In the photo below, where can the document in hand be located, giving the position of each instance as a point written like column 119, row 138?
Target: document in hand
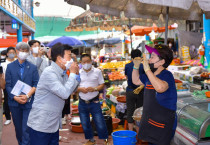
column 20, row 87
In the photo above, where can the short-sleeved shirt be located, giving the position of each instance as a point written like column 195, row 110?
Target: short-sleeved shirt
column 128, row 73
column 93, row 78
column 167, row 99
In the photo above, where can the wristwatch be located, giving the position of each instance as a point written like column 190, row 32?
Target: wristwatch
column 27, row 96
column 95, row 89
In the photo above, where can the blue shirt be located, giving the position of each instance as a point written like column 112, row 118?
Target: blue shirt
column 167, row 99
column 22, row 66
column 53, row 88
column 128, row 73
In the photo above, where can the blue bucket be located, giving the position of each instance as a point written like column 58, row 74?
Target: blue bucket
column 124, row 137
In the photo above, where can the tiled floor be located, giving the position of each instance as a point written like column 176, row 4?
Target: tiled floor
column 68, row 137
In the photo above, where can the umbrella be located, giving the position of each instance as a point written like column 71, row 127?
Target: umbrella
column 90, row 21
column 89, row 43
column 66, row 40
column 179, row 9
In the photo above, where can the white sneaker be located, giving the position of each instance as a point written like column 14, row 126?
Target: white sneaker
column 7, row 122
column 63, row 121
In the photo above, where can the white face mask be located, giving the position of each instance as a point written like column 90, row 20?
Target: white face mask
column 170, row 45
column 68, row 63
column 36, row 50
column 23, row 55
column 11, row 55
column 86, row 66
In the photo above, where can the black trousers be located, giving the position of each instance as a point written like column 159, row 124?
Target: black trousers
column 6, row 106
column 66, row 108
column 133, row 101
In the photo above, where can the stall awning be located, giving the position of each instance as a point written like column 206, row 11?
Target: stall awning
column 12, row 41
column 143, row 30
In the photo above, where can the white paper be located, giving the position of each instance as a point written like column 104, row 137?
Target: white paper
column 21, row 87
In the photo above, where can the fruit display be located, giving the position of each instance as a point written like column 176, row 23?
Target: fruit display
column 207, row 81
column 205, row 75
column 117, row 75
column 113, row 65
column 110, row 90
column 121, row 99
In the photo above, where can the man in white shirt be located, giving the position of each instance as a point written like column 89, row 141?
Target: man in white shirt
column 11, row 54
column 92, row 82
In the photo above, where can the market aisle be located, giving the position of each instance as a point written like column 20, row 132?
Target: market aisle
column 68, row 137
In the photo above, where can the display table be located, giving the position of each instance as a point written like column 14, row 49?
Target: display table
column 177, row 68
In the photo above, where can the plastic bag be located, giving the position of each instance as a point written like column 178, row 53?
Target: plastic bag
column 137, row 114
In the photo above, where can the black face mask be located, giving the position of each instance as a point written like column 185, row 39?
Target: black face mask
column 152, row 66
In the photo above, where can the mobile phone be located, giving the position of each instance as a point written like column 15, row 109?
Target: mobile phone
column 46, row 49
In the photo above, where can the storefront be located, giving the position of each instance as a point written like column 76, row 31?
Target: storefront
column 16, row 21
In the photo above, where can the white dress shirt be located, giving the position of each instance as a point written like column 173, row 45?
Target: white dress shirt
column 93, row 78
column 53, row 88
column 4, row 65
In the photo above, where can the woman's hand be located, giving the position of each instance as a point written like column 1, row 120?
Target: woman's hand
column 145, row 63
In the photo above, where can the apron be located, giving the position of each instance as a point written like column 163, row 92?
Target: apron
column 157, row 122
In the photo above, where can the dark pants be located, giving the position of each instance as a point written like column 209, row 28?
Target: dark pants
column 41, row 138
column 133, row 102
column 6, row 106
column 95, row 110
column 66, row 108
column 20, row 118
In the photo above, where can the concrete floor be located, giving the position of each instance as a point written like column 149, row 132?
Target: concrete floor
column 68, row 137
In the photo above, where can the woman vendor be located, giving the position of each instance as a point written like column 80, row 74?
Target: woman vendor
column 158, row 122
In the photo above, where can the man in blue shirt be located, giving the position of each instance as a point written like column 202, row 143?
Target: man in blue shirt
column 20, row 106
column 53, row 89
column 158, row 122
column 133, row 100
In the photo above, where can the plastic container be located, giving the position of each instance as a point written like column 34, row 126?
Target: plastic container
column 124, row 137
column 115, row 122
column 76, row 128
column 207, row 94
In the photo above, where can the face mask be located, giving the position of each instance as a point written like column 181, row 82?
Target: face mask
column 87, row 66
column 68, row 63
column 3, row 57
column 152, row 66
column 11, row 55
column 36, row 50
column 23, row 55
column 170, row 45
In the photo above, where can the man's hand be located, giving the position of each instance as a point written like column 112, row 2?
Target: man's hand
column 74, row 57
column 22, row 99
column 83, row 90
column 137, row 61
column 145, row 63
column 90, row 89
column 74, row 68
column 40, row 52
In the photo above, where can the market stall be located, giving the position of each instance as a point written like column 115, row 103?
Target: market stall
column 193, row 105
